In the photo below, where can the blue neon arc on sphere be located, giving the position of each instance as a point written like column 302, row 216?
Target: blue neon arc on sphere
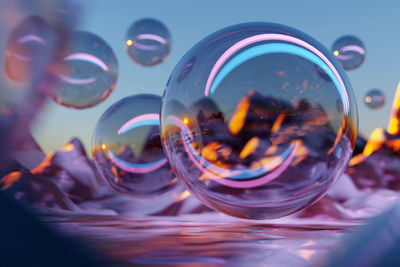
column 238, row 174
column 265, row 49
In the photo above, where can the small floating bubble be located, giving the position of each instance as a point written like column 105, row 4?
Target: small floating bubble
column 148, row 42
column 374, row 99
column 350, row 51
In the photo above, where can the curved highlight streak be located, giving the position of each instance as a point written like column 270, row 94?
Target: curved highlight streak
column 88, row 58
column 352, row 48
column 150, row 36
column 77, row 81
column 272, row 49
column 31, row 38
column 245, row 184
column 136, row 168
column 177, row 122
column 266, row 37
column 141, row 120
column 144, row 47
column 262, row 180
column 344, row 57
column 210, row 170
column 240, row 174
column 22, row 58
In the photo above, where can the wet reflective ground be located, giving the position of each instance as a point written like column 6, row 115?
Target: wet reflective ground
column 206, row 239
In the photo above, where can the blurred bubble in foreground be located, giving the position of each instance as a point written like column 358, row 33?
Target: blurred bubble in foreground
column 88, row 73
column 258, row 120
column 374, row 99
column 26, row 46
column 148, row 42
column 350, row 51
column 127, row 147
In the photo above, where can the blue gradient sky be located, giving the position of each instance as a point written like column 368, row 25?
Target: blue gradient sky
column 376, row 23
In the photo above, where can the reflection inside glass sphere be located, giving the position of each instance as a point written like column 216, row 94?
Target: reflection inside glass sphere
column 127, row 147
column 148, row 42
column 87, row 74
column 350, row 51
column 264, row 122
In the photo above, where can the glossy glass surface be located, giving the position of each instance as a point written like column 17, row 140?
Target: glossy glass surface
column 148, row 42
column 350, row 51
column 127, row 147
column 87, row 74
column 258, row 120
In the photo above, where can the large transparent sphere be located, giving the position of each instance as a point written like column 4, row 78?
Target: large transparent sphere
column 127, row 147
column 258, row 120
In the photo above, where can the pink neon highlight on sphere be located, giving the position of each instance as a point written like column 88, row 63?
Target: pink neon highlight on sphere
column 144, row 47
column 150, row 36
column 266, row 37
column 144, row 117
column 243, row 184
column 76, row 81
column 344, row 57
column 226, row 173
column 356, row 48
column 222, row 180
column 30, row 38
column 88, row 57
column 22, row 58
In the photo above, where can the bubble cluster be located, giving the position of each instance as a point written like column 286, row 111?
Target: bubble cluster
column 350, row 51
column 127, row 147
column 258, row 120
column 27, row 48
column 374, row 99
column 148, row 42
column 87, row 74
